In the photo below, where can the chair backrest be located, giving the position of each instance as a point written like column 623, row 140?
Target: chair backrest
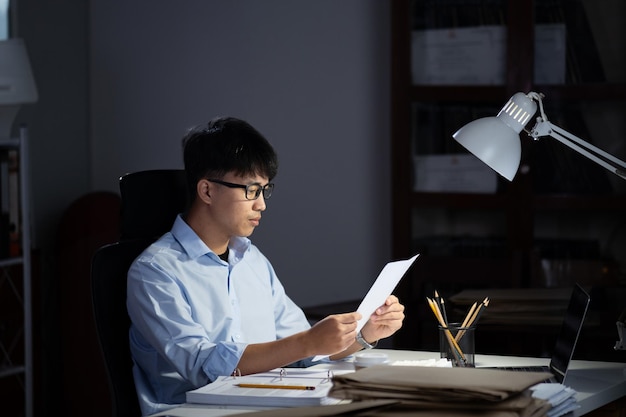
column 150, row 202
column 109, row 266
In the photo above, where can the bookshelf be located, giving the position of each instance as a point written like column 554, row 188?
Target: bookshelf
column 16, row 353
column 559, row 209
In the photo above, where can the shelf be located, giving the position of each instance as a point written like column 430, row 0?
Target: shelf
column 11, row 261
column 19, row 211
column 459, row 200
column 611, row 203
column 588, row 92
column 500, row 94
column 451, row 93
column 10, row 143
column 541, row 204
column 11, row 370
column 569, row 202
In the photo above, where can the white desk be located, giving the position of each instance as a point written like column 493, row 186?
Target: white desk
column 596, row 383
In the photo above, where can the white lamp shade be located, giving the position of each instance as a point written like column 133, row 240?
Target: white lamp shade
column 495, row 140
column 494, row 143
column 17, row 85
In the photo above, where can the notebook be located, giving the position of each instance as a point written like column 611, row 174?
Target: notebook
column 566, row 339
column 291, row 387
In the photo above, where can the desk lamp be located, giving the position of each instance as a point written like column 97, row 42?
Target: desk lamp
column 17, row 85
column 495, row 140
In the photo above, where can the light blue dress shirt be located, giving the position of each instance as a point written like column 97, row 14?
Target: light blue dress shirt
column 193, row 314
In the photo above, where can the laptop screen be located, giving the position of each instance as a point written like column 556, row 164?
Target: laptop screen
column 570, row 330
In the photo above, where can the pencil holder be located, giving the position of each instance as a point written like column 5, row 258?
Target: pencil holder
column 456, row 343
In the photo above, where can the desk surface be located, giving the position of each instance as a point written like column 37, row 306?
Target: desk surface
column 596, row 383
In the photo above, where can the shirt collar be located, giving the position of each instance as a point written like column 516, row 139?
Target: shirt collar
column 195, row 247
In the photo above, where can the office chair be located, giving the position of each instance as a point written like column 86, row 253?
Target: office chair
column 150, row 202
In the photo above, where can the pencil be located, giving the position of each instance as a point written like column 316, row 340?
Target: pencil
column 473, row 319
column 478, row 312
column 455, row 347
column 469, row 315
column 442, row 306
column 485, row 303
column 467, row 320
column 277, row 386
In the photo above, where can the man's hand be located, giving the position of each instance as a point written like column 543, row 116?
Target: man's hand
column 334, row 333
column 385, row 321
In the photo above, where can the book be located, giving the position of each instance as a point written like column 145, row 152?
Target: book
column 277, row 388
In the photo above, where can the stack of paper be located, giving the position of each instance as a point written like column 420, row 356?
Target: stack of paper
column 562, row 399
column 441, row 362
column 446, row 391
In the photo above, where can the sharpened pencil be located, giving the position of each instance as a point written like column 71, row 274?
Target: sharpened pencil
column 466, row 322
column 474, row 319
column 456, row 349
column 440, row 301
column 483, row 305
column 478, row 312
column 469, row 315
column 277, row 386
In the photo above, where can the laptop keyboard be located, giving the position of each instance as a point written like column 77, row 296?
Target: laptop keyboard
column 537, row 368
column 525, row 368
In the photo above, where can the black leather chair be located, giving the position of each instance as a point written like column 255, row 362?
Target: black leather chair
column 150, row 202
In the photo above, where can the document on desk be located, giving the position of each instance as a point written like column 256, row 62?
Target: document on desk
column 382, row 288
column 445, row 391
column 296, row 388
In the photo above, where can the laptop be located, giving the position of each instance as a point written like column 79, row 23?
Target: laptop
column 566, row 339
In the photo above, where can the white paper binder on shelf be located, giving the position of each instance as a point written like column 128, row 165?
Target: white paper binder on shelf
column 459, row 56
column 457, row 173
column 477, row 55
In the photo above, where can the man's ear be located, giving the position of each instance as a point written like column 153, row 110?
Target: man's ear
column 203, row 190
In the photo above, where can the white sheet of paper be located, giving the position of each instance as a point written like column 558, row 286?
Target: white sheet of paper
column 382, row 288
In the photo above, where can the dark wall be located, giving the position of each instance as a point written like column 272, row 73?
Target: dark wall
column 56, row 35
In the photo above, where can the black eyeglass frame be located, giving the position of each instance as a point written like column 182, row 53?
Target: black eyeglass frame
column 265, row 189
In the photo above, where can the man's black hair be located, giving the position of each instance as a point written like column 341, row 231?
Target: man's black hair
column 226, row 144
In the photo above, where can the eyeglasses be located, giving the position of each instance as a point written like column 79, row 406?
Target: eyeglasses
column 253, row 191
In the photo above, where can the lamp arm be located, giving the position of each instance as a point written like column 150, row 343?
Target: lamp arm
column 546, row 128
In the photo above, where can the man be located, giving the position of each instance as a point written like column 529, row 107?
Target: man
column 205, row 302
